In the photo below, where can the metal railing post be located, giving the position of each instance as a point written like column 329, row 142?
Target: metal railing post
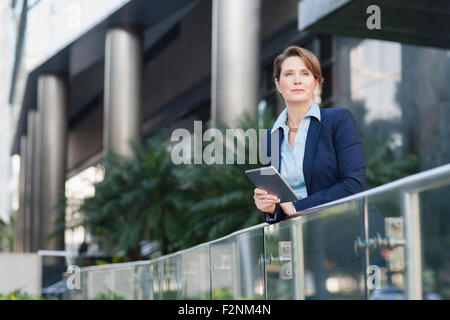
column 298, row 260
column 411, row 214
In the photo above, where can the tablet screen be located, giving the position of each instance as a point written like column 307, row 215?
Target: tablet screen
column 269, row 179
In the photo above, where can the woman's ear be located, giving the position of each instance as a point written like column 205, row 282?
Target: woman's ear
column 277, row 84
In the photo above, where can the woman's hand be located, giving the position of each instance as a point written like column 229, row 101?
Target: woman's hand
column 288, row 208
column 264, row 201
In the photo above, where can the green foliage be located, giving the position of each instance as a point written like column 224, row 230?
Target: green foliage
column 137, row 199
column 226, row 204
column 224, row 195
column 381, row 166
column 19, row 295
column 225, row 293
column 222, row 294
column 108, row 295
column 151, row 198
column 7, row 233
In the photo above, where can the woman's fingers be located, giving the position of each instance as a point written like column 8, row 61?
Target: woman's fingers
column 260, row 191
column 266, row 197
column 265, row 203
column 262, row 194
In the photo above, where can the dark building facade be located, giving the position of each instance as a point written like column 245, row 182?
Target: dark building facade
column 395, row 90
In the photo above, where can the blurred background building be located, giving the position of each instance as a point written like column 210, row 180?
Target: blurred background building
column 80, row 77
column 7, row 40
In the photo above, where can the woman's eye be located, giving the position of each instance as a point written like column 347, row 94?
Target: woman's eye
column 290, row 73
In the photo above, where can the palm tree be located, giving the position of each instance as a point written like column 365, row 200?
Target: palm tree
column 138, row 199
column 224, row 193
column 151, row 198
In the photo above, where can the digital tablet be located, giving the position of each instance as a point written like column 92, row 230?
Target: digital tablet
column 269, row 179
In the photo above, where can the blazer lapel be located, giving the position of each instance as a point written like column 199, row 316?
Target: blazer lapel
column 280, row 139
column 280, row 135
column 310, row 149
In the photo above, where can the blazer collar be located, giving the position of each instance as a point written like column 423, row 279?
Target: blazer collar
column 312, row 138
column 313, row 112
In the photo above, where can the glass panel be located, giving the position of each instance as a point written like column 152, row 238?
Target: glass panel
column 171, row 278
column 237, row 268
column 143, row 282
column 99, row 284
column 155, row 273
column 250, row 246
column 386, row 263
column 280, row 284
column 195, row 274
column 333, row 268
column 435, row 230
column 324, row 264
column 123, row 283
column 84, row 285
column 58, row 22
column 75, row 294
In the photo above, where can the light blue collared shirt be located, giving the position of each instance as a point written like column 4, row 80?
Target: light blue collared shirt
column 291, row 166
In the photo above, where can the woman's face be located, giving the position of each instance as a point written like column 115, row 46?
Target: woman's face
column 297, row 82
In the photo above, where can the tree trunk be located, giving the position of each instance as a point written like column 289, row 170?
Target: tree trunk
column 164, row 240
column 134, row 253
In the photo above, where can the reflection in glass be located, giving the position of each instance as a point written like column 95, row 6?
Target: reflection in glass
column 171, row 278
column 385, row 221
column 324, row 263
column 195, row 277
column 279, row 279
column 99, row 284
column 155, row 280
column 123, row 283
column 237, row 271
column 334, row 269
column 143, row 282
column 435, row 230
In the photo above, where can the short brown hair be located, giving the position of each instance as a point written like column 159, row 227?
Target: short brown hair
column 309, row 58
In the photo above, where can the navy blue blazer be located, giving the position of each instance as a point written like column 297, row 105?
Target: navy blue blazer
column 334, row 162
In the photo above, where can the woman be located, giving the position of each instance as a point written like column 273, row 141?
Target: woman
column 321, row 155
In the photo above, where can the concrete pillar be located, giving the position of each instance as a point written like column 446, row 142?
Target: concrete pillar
column 29, row 170
column 36, row 186
column 52, row 105
column 20, row 223
column 122, row 93
column 235, row 60
column 33, row 188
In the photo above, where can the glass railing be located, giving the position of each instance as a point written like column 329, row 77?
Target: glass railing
column 390, row 242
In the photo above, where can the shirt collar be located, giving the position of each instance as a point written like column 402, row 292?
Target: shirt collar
column 313, row 111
